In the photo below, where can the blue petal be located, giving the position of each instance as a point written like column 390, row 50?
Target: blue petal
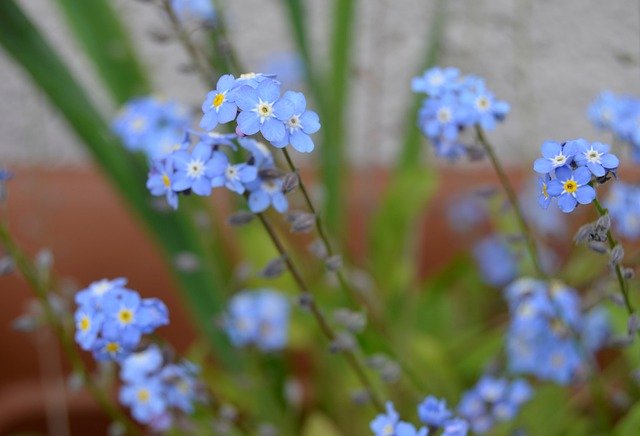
column 301, row 142
column 248, row 173
column 310, row 122
column 246, row 98
column 582, row 175
column 563, row 173
column 571, row 148
column 298, row 100
column 283, row 109
column 596, row 169
column 268, row 90
column 601, row 147
column 554, row 188
column 585, row 194
column 258, row 201
column 280, row 202
column 227, row 112
column 542, row 166
column 610, row 161
column 181, row 182
column 248, row 123
column 209, row 120
column 201, row 151
column 272, row 129
column 217, row 165
column 208, row 100
column 201, row 186
column 225, row 82
column 551, row 149
column 567, row 203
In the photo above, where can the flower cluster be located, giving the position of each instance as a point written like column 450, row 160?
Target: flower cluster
column 152, row 125
column 432, row 412
column 111, row 319
column 259, row 318
column 619, row 115
column 493, row 400
column 155, row 390
column 453, row 103
column 281, row 119
column 549, row 336
column 569, row 170
column 623, row 204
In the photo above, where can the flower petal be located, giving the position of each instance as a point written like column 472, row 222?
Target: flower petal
column 585, row 194
column 272, row 130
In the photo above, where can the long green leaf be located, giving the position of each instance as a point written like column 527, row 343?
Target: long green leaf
column 98, row 29
column 174, row 231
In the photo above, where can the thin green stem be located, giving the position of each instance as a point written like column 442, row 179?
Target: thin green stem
column 513, row 199
column 322, row 322
column 41, row 289
column 622, row 283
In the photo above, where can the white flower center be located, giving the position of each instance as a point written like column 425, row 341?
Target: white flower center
column 294, row 123
column 483, row 103
column 593, row 156
column 264, row 109
column 444, row 115
column 559, row 160
column 231, row 172
column 195, row 169
column 436, row 79
column 270, row 187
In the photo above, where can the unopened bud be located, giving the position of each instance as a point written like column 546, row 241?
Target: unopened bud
column 333, row 263
column 616, row 255
column 240, row 218
column 274, row 268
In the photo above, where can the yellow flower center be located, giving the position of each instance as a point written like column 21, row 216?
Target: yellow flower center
column 143, row 395
column 112, row 347
column 570, row 186
column 125, row 316
column 85, row 323
column 544, row 190
column 265, row 110
column 166, row 181
column 218, row 100
column 482, row 103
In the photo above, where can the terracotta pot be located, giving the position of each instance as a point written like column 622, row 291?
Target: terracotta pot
column 75, row 213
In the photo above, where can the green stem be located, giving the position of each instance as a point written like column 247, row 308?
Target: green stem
column 40, row 288
column 322, row 322
column 622, row 283
column 513, row 199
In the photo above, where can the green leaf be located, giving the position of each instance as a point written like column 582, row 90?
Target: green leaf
column 391, row 238
column 175, row 232
column 104, row 39
column 630, row 424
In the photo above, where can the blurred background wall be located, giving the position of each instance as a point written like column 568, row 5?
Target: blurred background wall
column 548, row 58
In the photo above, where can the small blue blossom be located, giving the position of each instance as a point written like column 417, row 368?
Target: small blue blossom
column 160, row 180
column 434, row 412
column 623, row 204
column 141, row 364
column 596, row 157
column 299, row 125
column 436, row 81
column 262, row 110
column 196, row 169
column 385, row 423
column 496, row 261
column 268, row 192
column 197, row 10
column 493, row 400
column 259, row 318
column 455, row 427
column 234, row 176
column 88, row 325
column 441, row 117
column 145, row 398
column 485, row 110
column 407, row 429
column 571, row 188
column 181, row 385
column 219, row 106
column 554, row 155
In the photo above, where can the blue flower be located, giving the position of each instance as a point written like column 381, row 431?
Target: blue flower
column 495, row 260
column 153, row 313
column 234, row 176
column 441, row 117
column 554, row 155
column 259, row 318
column 544, row 199
column 571, row 188
column 268, row 192
column 485, row 110
column 596, row 157
column 181, row 385
column 406, row 429
column 261, row 156
column 262, row 110
column 436, row 81
column 385, row 423
column 88, row 325
column 455, row 427
column 94, row 294
column 219, row 106
column 299, row 125
column 145, row 398
column 140, row 365
column 198, row 10
column 254, row 79
column 121, row 316
column 434, row 412
column 195, row 170
column 161, row 179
